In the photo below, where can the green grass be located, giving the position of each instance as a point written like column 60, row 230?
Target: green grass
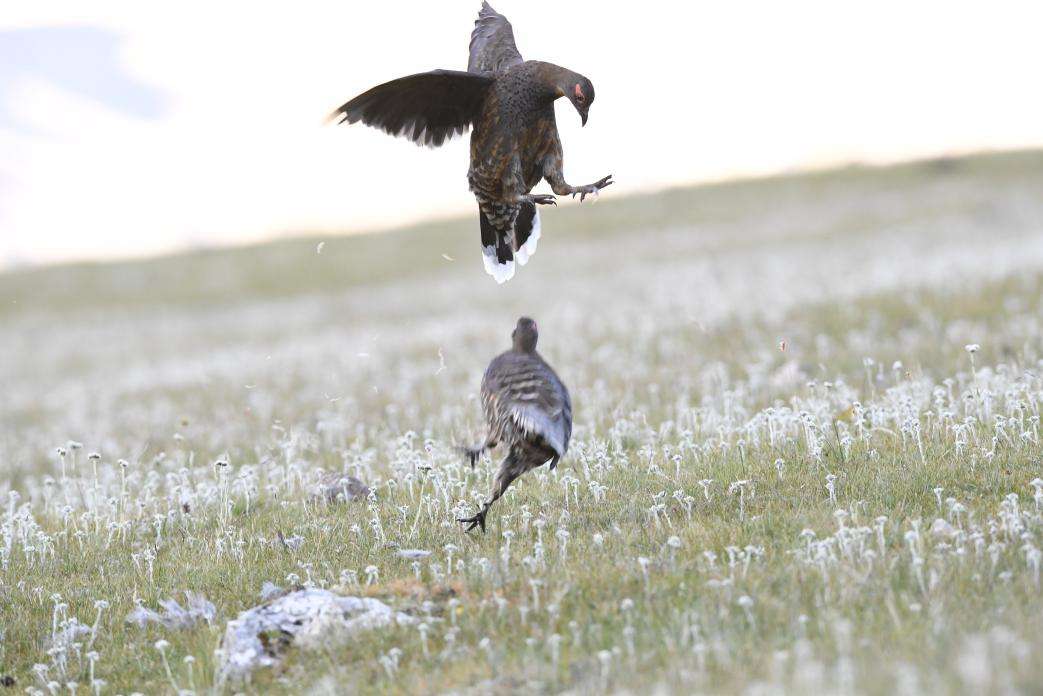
column 664, row 314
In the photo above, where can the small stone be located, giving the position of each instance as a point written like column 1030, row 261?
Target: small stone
column 172, row 615
column 337, row 487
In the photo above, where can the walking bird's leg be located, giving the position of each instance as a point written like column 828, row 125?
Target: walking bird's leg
column 472, row 453
column 552, row 172
column 511, row 469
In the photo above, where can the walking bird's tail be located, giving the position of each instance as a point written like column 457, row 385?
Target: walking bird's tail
column 509, row 234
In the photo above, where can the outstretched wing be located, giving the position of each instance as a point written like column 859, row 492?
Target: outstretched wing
column 492, row 43
column 428, row 108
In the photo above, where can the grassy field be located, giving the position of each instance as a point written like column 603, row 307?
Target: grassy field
column 806, row 457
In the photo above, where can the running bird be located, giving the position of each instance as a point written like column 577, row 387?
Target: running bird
column 527, row 409
column 509, row 102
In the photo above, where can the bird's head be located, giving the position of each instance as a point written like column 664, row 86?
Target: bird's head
column 580, row 92
column 525, row 335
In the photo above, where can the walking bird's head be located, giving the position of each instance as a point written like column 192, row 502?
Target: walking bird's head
column 525, row 335
column 580, row 92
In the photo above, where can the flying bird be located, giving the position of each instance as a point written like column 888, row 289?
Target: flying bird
column 528, row 410
column 509, row 103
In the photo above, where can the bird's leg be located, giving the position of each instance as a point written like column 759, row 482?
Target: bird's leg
column 553, row 173
column 472, row 453
column 517, row 195
column 476, row 521
column 592, row 189
column 539, row 199
column 509, row 470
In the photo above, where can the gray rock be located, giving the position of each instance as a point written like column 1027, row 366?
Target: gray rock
column 269, row 590
column 172, row 615
column 308, row 619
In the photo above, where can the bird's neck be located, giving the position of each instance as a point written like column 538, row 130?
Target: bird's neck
column 556, row 80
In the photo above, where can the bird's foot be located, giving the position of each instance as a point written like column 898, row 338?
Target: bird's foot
column 592, row 189
column 476, row 521
column 472, row 454
column 541, row 199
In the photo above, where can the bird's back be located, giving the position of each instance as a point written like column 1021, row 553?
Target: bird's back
column 514, row 133
column 519, row 96
column 524, row 399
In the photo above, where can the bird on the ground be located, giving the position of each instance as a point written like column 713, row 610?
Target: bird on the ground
column 527, row 409
column 509, row 102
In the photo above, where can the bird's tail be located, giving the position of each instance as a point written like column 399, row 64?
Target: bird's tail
column 508, row 235
column 526, row 232
column 497, row 236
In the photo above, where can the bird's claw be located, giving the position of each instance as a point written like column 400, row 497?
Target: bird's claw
column 472, row 522
column 592, row 189
column 543, row 199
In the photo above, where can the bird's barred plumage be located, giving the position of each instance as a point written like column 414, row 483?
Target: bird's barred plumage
column 509, row 234
column 508, row 103
column 527, row 409
column 524, row 401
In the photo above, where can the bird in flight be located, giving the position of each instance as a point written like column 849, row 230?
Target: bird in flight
column 509, row 103
column 527, row 409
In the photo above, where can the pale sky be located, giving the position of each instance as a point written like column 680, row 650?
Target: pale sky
column 131, row 128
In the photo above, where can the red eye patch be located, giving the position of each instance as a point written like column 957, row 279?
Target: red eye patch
column 579, row 92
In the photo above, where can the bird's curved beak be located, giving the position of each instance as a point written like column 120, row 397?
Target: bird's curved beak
column 581, row 109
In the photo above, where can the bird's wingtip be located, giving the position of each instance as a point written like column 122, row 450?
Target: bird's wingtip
column 337, row 117
column 487, row 11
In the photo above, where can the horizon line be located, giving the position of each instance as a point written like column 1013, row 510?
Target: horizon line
column 12, row 267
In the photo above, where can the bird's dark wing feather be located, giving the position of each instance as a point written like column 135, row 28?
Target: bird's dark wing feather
column 428, row 108
column 523, row 398
column 492, row 43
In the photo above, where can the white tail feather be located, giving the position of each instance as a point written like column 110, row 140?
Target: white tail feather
column 501, row 272
column 529, row 247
